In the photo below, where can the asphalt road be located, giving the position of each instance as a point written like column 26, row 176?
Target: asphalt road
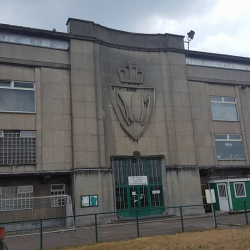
column 124, row 230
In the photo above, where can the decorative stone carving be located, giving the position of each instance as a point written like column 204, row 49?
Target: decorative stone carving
column 133, row 105
column 131, row 74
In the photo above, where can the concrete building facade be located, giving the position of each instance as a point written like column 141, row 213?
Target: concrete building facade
column 118, row 120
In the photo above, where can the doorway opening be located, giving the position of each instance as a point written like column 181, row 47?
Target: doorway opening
column 138, row 185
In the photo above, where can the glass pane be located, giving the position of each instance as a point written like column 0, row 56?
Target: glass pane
column 17, row 100
column 235, row 137
column 229, row 99
column 28, row 134
column 57, row 187
column 23, row 85
column 215, row 98
column 222, row 190
column 224, row 111
column 4, row 84
column 229, row 150
column 239, row 188
column 221, row 137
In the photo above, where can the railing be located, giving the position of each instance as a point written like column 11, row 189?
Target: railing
column 245, row 210
column 3, row 245
column 95, row 218
column 95, row 215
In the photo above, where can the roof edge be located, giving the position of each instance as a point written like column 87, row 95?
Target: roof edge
column 34, row 32
column 216, row 56
column 122, row 31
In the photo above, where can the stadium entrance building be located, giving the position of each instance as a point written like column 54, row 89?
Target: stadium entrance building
column 118, row 121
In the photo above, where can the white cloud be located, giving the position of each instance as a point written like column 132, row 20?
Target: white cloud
column 224, row 29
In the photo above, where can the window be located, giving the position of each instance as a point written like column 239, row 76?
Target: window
column 224, row 108
column 57, row 190
column 17, row 147
column 222, row 190
column 16, row 198
column 229, row 147
column 17, row 97
column 239, row 188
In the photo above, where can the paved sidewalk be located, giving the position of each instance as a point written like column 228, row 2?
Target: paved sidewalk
column 122, row 231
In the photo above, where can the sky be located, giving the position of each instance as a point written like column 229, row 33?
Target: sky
column 221, row 26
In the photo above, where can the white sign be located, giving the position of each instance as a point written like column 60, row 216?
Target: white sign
column 133, row 193
column 85, row 201
column 210, row 196
column 156, row 191
column 137, row 180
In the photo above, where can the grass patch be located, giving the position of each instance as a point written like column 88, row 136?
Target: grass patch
column 230, row 239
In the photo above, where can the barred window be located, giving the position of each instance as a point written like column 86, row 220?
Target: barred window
column 58, row 190
column 17, row 147
column 16, row 198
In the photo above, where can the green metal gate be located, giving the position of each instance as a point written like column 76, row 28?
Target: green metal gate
column 132, row 197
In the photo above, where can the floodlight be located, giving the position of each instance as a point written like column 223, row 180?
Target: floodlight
column 191, row 34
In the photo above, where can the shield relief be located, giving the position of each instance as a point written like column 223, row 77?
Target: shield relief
column 133, row 105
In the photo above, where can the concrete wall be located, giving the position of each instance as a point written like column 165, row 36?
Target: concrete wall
column 93, row 182
column 183, row 189
column 117, row 141
column 81, row 28
column 41, row 185
column 52, row 120
column 88, row 132
column 203, row 83
column 170, row 132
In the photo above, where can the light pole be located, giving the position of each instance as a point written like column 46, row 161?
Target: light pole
column 189, row 37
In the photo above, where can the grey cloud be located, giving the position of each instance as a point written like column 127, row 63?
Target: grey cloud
column 124, row 15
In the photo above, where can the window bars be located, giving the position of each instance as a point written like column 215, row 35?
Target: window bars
column 16, row 198
column 17, row 147
column 57, row 191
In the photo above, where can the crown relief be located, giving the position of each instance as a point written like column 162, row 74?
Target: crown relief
column 133, row 105
column 131, row 74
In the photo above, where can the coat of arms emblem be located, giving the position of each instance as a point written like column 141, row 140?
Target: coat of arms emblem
column 132, row 103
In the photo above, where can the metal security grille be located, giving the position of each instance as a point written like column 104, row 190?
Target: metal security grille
column 121, row 198
column 57, row 191
column 155, row 171
column 156, row 196
column 17, row 147
column 145, row 196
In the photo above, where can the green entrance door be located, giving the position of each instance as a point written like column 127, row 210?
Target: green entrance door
column 133, row 195
column 139, row 199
